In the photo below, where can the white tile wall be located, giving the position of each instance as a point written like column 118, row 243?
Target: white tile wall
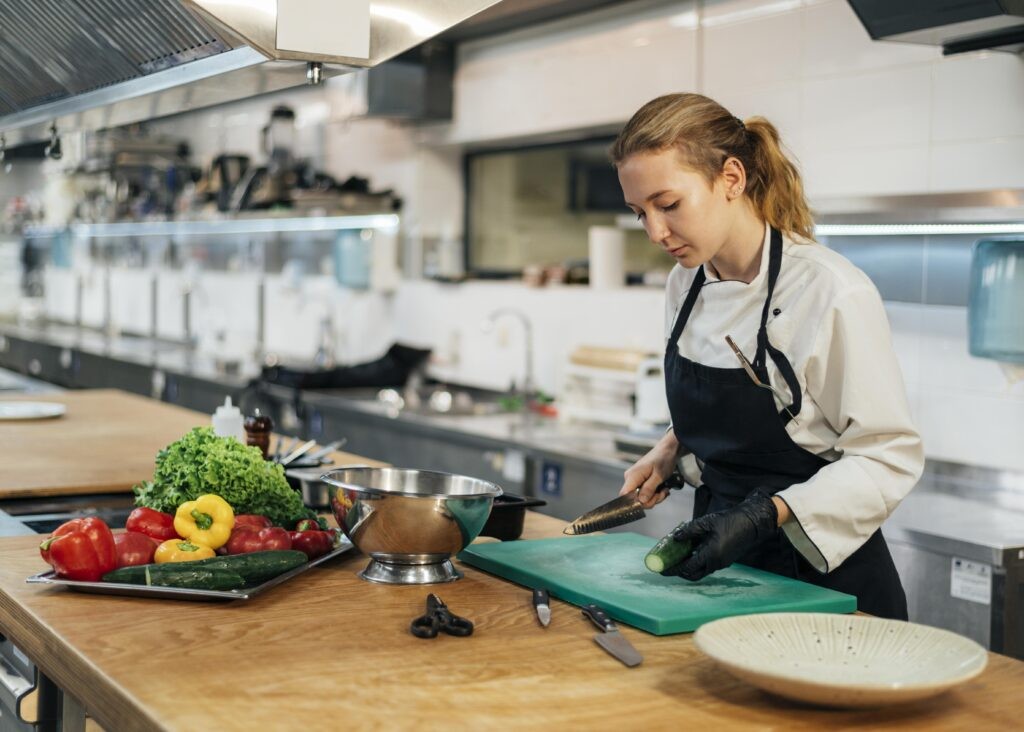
column 868, row 171
column 977, row 165
column 978, row 96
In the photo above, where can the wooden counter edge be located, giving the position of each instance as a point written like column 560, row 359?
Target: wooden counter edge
column 73, row 672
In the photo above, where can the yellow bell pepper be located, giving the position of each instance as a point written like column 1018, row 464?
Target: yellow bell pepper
column 208, row 520
column 181, row 550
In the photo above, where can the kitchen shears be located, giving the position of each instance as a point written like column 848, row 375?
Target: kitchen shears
column 438, row 619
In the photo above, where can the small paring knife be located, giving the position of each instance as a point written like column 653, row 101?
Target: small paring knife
column 610, row 638
column 542, row 604
column 618, row 511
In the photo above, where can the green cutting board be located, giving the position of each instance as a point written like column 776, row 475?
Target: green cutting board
column 608, row 570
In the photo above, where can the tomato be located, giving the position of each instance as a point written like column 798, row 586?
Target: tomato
column 154, row 524
column 245, row 539
column 252, row 519
column 134, row 548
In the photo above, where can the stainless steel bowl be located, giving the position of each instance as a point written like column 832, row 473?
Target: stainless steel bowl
column 410, row 522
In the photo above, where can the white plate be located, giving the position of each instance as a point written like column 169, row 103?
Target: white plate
column 841, row 660
column 30, row 410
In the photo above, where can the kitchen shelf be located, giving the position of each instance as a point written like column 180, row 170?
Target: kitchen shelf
column 233, row 226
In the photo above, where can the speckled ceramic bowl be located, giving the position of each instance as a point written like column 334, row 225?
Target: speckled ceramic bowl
column 841, row 660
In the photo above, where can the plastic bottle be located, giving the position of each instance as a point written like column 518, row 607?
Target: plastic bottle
column 227, row 421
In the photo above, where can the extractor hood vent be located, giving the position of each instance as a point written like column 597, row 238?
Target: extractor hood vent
column 93, row 64
column 955, row 25
column 53, row 49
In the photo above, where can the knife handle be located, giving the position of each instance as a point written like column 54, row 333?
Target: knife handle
column 540, row 597
column 599, row 618
column 675, row 480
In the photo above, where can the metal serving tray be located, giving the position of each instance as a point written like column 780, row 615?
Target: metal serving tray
column 181, row 593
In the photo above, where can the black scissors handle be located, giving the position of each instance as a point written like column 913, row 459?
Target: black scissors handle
column 438, row 618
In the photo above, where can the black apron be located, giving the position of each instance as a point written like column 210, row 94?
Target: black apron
column 739, row 435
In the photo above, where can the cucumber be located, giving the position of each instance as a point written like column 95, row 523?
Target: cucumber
column 256, row 567
column 216, row 573
column 667, row 553
column 177, row 574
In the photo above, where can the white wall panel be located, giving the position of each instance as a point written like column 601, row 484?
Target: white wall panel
column 578, row 75
column 978, row 96
column 977, row 165
column 835, row 42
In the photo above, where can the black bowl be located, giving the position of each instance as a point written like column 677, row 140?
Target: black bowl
column 507, row 515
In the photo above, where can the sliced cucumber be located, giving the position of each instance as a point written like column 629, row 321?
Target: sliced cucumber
column 667, row 553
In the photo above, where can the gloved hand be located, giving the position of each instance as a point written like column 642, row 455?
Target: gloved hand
column 722, row 537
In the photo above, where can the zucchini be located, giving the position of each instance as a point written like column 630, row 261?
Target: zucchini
column 256, row 567
column 177, row 574
column 667, row 553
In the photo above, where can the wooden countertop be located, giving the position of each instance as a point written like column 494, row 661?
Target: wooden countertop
column 330, row 651
column 105, row 443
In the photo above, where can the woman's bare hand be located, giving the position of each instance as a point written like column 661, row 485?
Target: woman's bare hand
column 651, row 470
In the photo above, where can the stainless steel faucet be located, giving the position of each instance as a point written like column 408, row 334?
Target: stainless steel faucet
column 526, row 388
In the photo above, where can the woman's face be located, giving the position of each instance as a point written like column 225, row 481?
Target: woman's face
column 681, row 213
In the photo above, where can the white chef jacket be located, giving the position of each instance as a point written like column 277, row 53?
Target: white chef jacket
column 833, row 329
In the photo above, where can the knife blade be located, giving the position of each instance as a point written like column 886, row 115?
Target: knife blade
column 610, row 639
column 618, row 511
column 541, row 604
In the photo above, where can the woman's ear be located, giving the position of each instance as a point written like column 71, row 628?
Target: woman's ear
column 733, row 178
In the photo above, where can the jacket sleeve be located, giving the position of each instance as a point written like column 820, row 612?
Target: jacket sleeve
column 855, row 380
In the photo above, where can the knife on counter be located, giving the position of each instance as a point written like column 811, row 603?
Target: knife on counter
column 618, row 511
column 542, row 604
column 610, row 638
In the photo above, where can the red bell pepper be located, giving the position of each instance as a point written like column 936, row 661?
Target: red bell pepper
column 252, row 519
column 134, row 547
column 313, row 543
column 154, row 524
column 81, row 549
column 245, row 539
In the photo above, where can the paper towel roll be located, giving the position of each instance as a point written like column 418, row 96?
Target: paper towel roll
column 607, row 257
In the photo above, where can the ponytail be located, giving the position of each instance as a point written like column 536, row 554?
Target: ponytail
column 776, row 190
column 707, row 135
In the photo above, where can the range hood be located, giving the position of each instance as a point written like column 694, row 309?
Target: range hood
column 70, row 65
column 955, row 25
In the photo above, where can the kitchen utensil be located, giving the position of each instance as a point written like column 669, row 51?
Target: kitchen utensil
column 618, row 511
column 30, row 410
column 297, row 452
column 542, row 604
column 610, row 638
column 439, row 618
column 181, row 593
column 281, row 449
column 842, row 661
column 410, row 522
column 754, row 377
column 327, row 449
column 608, row 570
column 508, row 512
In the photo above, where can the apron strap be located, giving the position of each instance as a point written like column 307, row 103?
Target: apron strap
column 687, row 308
column 764, row 346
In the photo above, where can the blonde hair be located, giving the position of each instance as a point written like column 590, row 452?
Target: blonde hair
column 707, row 134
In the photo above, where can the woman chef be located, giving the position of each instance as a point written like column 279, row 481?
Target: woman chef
column 798, row 478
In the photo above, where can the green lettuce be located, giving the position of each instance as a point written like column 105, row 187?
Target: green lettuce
column 201, row 462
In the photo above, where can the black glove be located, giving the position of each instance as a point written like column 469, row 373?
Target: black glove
column 720, row 538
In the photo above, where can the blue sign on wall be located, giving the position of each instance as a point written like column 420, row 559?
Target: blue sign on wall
column 551, row 479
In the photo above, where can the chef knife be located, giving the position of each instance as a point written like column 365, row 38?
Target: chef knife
column 610, row 638
column 541, row 604
column 618, row 511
